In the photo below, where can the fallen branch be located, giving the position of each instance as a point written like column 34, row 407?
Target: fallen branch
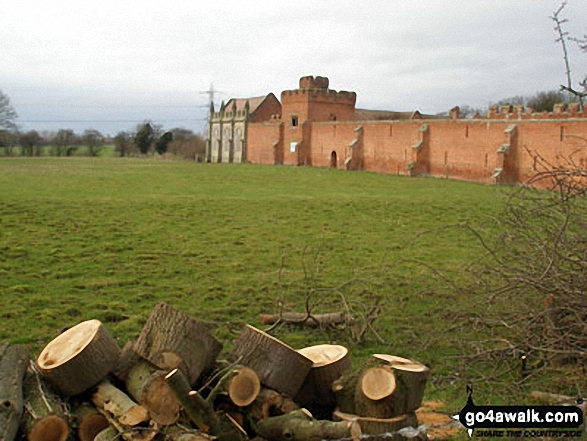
column 330, row 319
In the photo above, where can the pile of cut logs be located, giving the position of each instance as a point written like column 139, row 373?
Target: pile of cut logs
column 170, row 385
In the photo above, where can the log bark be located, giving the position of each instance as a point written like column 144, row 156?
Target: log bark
column 241, row 384
column 128, row 358
column 147, row 385
column 45, row 416
column 119, row 405
column 384, row 428
column 107, row 434
column 182, row 434
column 303, row 319
column 79, row 358
column 90, row 422
column 330, row 362
column 171, row 339
column 200, row 411
column 270, row 403
column 14, row 360
column 386, row 387
column 301, row 426
column 278, row 366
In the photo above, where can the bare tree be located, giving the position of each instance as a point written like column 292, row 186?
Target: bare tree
column 8, row 127
column 29, row 143
column 64, row 143
column 94, row 141
column 562, row 38
column 123, row 144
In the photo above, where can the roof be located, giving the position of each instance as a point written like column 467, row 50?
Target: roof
column 254, row 102
column 386, row 115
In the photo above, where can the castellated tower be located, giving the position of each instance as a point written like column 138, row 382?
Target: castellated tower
column 312, row 102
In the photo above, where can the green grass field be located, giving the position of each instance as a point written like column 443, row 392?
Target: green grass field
column 107, row 238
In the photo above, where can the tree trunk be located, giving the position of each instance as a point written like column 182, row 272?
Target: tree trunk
column 386, row 428
column 303, row 319
column 90, row 422
column 148, row 387
column 79, row 358
column 241, row 384
column 119, row 405
column 330, row 363
column 45, row 412
column 14, row 360
column 301, row 426
column 171, row 339
column 279, row 366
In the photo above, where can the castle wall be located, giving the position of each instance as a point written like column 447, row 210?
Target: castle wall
column 265, row 143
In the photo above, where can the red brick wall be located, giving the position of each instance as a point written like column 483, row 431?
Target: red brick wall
column 261, row 138
column 270, row 106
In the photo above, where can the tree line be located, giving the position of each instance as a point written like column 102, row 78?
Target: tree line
column 147, row 138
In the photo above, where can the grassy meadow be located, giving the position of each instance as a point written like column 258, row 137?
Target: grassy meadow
column 107, row 238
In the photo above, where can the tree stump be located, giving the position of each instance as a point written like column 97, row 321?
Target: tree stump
column 79, row 358
column 330, row 362
column 90, row 422
column 116, row 403
column 386, row 387
column 301, row 426
column 14, row 360
column 171, row 339
column 45, row 413
column 386, row 428
column 278, row 366
column 147, row 385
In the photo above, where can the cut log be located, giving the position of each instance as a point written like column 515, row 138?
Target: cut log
column 200, row 411
column 330, row 362
column 128, row 358
column 278, row 366
column 270, row 403
column 386, row 387
column 14, row 360
column 108, row 434
column 79, row 358
column 45, row 417
column 303, row 319
column 241, row 384
column 171, row 339
column 90, row 422
column 301, row 426
column 176, row 433
column 119, row 405
column 146, row 384
column 384, row 428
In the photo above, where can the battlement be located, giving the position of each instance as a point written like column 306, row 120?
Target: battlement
column 320, row 95
column 310, row 82
column 520, row 112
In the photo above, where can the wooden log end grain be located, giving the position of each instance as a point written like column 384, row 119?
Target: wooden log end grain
column 79, row 358
column 49, row 428
column 244, row 387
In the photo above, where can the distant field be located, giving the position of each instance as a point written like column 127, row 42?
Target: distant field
column 107, row 238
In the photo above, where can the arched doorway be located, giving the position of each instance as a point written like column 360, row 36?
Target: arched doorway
column 333, row 160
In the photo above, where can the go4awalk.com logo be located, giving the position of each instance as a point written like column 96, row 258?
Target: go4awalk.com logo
column 521, row 421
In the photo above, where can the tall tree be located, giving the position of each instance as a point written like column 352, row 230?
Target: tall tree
column 144, row 138
column 122, row 144
column 29, row 142
column 94, row 141
column 163, row 142
column 8, row 127
column 64, row 142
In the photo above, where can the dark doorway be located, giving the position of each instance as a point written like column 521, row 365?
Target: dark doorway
column 333, row 161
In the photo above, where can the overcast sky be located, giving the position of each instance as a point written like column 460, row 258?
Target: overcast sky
column 110, row 64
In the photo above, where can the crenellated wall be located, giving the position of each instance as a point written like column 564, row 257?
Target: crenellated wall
column 320, row 127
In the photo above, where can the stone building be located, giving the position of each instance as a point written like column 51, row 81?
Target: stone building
column 228, row 127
